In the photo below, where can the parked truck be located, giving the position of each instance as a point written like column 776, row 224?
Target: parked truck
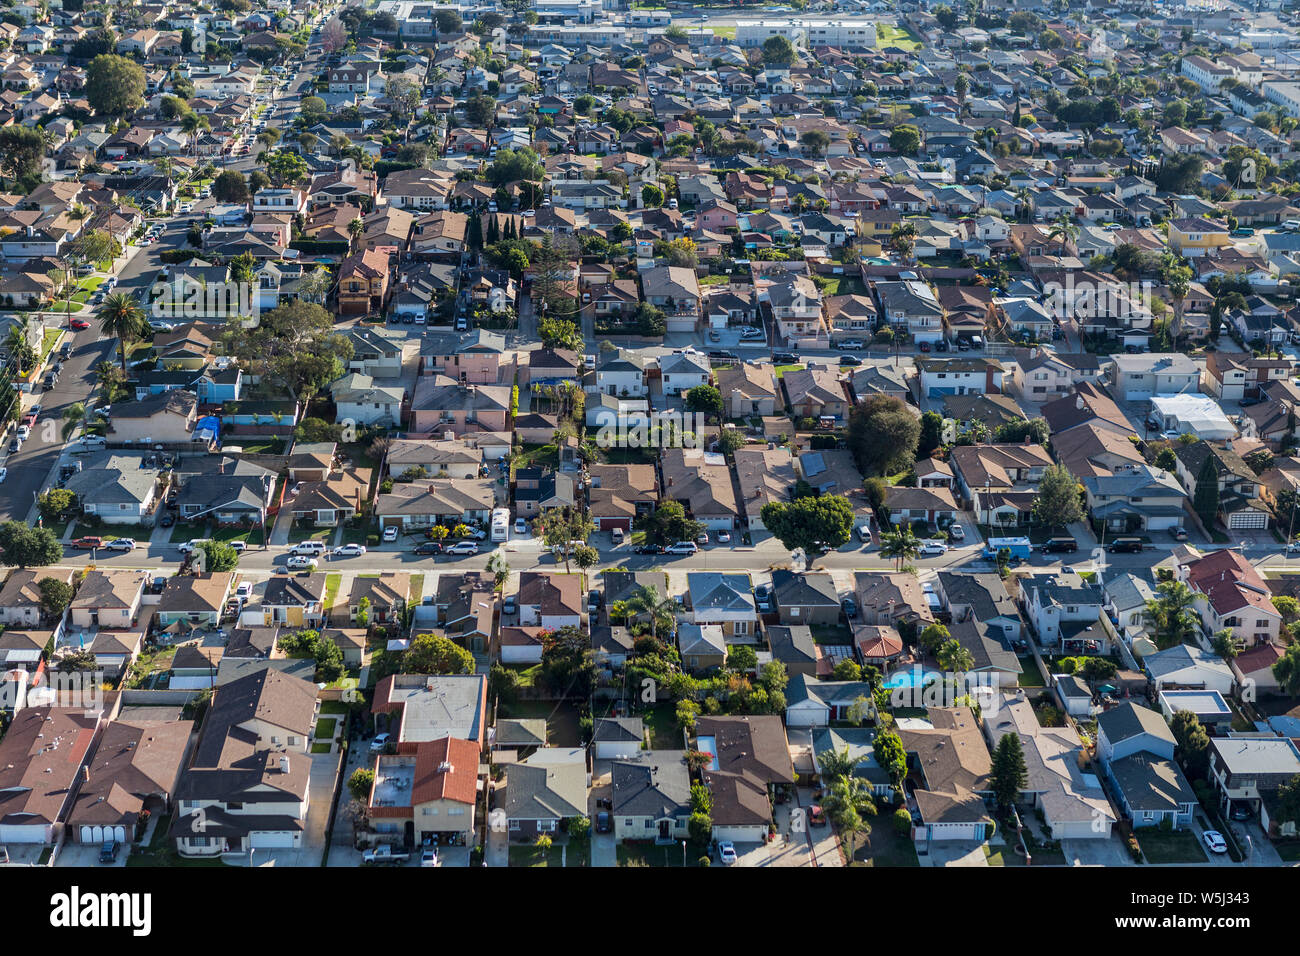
column 1017, row 547
column 385, row 854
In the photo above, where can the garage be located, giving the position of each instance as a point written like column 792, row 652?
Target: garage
column 1248, row 518
column 274, row 839
column 940, row 832
column 26, row 834
column 740, row 834
column 95, row 835
column 609, row 524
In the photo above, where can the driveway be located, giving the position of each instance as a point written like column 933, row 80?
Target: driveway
column 312, row 851
column 1108, row 852
column 86, row 855
column 955, row 853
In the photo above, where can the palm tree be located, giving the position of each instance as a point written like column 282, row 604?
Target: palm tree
column 954, row 658
column 123, row 319
column 192, row 125
column 1180, row 283
column 499, row 567
column 901, row 545
column 646, row 601
column 848, row 803
column 836, row 764
column 357, row 230
column 1173, row 613
column 1063, row 231
column 16, row 344
column 74, row 416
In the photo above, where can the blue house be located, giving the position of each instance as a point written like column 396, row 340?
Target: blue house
column 1136, row 749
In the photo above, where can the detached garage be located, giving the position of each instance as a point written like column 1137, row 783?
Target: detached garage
column 95, row 835
column 618, row 738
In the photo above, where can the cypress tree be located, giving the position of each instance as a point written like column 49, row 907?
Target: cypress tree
column 1008, row 775
column 1206, row 499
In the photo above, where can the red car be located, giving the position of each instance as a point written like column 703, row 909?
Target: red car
column 925, row 346
column 87, row 543
column 79, row 324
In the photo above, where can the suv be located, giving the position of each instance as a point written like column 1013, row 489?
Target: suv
column 1061, row 545
column 1125, row 546
column 850, row 344
column 683, row 547
column 311, row 549
column 108, row 852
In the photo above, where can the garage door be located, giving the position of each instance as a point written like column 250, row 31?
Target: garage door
column 87, row 835
column 739, row 834
column 1248, row 519
column 118, row 834
column 956, row 831
column 270, row 840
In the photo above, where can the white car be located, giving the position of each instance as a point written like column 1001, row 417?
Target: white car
column 727, row 853
column 390, row 533
column 185, row 547
column 521, row 525
column 121, row 544
column 4, row 473
column 724, row 537
column 956, row 533
column 309, row 548
column 932, row 549
column 244, row 590
column 239, row 546
column 682, row 547
column 300, row 562
column 464, row 547
column 349, row 550
column 749, row 332
column 429, row 856
column 379, row 743
column 1214, row 840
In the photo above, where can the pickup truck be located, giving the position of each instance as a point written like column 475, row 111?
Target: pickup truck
column 385, row 854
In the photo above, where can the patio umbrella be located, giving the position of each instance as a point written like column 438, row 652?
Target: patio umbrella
column 1108, row 688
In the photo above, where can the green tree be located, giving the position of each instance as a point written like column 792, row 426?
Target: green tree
column 891, row 755
column 651, row 196
column 905, row 139
column 231, row 187
column 1058, row 503
column 114, row 85
column 1008, row 775
column 1288, row 802
column 284, row 168
column 434, row 654
column 1205, row 500
column 122, row 318
column 294, row 346
column 1172, row 611
column 55, row 503
column 806, row 523
column 847, row 804
column 21, row 151
column 705, row 399
column 361, row 783
column 954, row 658
column 900, row 545
column 1191, row 743
column 218, row 556
column 56, row 595
column 668, row 524
column 742, row 658
column 778, row 52
column 26, row 547
column 1286, row 669
column 931, row 434
column 934, row 637
column 559, row 333
column 512, row 165
column 883, row 435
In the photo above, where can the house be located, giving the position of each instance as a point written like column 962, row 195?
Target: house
column 1062, row 609
column 293, row 600
column 795, row 648
column 363, row 283
column 703, row 647
column 815, row 703
column 859, row 741
column 617, row 738
column 920, row 506
column 426, row 503
column 386, row 595
column 1208, row 706
column 949, row 765
column 1247, row 771
column 1072, row 802
column 229, row 491
column 198, row 599
column 750, row 390
column 701, row 482
column 20, row 598
column 465, row 605
column 1136, row 378
column 1239, row 501
column 1187, row 666
column 248, row 784
column 619, row 494
column 442, row 404
column 42, row 756
column 544, row 791
column 426, row 791
column 1141, row 499
column 621, row 373
column 894, row 600
column 415, row 708
column 676, row 292
column 751, row 756
column 1136, row 750
column 999, row 480
column 116, row 488
column 763, row 475
column 108, row 599
column 816, row 393
column 682, row 371
column 959, row 376
column 133, row 775
column 651, row 796
column 810, row 598
column 550, row 600
column 723, row 599
column 167, row 419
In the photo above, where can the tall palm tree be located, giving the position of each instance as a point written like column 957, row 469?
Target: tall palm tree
column 901, row 545
column 646, row 601
column 17, row 346
column 1173, row 613
column 357, row 230
column 499, row 567
column 123, row 319
column 193, row 125
column 74, row 416
column 848, row 803
column 954, row 658
column 1064, row 230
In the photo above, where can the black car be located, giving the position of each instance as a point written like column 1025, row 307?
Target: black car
column 429, row 547
column 15, row 445
column 850, row 608
column 167, row 520
column 66, row 350
column 721, row 354
column 850, row 360
column 108, row 852
column 784, row 358
column 603, row 823
column 648, row 549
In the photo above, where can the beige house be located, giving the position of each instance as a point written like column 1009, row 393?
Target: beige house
column 748, row 390
column 108, row 599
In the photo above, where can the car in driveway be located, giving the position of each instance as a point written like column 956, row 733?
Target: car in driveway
column 956, row 533
column 390, row 533
column 108, row 852
column 603, row 822
column 521, row 526
column 1214, row 841
column 429, row 856
column 352, row 550
column 380, row 742
column 727, row 853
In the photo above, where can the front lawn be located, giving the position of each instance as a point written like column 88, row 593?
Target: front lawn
column 332, row 583
column 1173, row 846
column 417, row 589
column 325, row 728
column 884, row 846
column 535, row 856
column 647, row 854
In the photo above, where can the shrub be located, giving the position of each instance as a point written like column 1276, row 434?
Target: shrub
column 902, row 821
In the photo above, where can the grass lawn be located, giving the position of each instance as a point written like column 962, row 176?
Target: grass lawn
column 50, row 340
column 1288, row 850
column 782, row 369
column 843, row 285
column 336, row 707
column 1029, row 674
column 831, row 634
column 661, row 721
column 561, row 719
column 647, row 854
column 332, row 582
column 578, row 852
column 715, row 280
column 321, row 748
column 300, row 533
column 1176, row 846
column 884, row 846
column 724, row 32
column 889, row 35
column 325, row 728
column 183, row 531
column 629, row 456
column 417, row 589
column 534, row 455
column 535, row 856
column 272, row 446
column 360, row 534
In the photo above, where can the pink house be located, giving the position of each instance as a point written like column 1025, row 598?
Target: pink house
column 716, row 216
column 476, row 359
column 443, row 404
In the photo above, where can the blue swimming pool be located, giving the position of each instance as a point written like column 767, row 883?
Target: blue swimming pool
column 911, row 677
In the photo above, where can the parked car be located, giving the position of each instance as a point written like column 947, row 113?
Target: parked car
column 521, row 526
column 702, row 538
column 850, row 608
column 352, row 550
column 79, row 324
column 785, row 358
column 88, row 543
column 167, row 520
column 379, row 743
column 509, row 606
column 603, row 822
column 850, row 360
column 957, row 533
column 727, row 853
column 390, row 533
column 121, row 544
column 300, row 562
column 931, row 549
column 429, row 856
column 850, row 344
column 308, row 548
column 1215, row 841
column 463, row 547
column 649, row 549
column 108, row 852
column 682, row 547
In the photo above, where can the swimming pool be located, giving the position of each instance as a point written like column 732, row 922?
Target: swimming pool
column 911, row 677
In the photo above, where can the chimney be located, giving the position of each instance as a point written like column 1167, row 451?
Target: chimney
column 85, row 775
column 284, row 763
